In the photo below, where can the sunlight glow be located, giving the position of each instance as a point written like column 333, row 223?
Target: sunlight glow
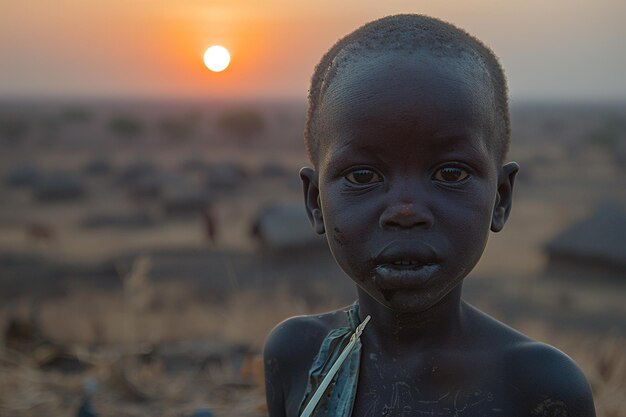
column 216, row 58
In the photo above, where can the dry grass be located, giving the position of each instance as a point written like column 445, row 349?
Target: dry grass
column 168, row 312
column 116, row 325
column 156, row 313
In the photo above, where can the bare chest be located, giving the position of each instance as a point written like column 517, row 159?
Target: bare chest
column 391, row 390
column 400, row 399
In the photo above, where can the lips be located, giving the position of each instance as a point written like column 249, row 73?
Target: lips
column 405, row 264
column 393, row 277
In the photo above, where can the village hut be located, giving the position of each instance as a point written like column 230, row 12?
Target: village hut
column 193, row 164
column 155, row 184
column 136, row 170
column 59, row 186
column 146, row 187
column 22, row 175
column 185, row 200
column 594, row 248
column 225, row 176
column 98, row 165
column 285, row 227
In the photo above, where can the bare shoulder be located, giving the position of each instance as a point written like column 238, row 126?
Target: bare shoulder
column 548, row 381
column 289, row 351
column 541, row 379
column 297, row 335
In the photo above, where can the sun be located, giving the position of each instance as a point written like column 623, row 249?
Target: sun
column 216, row 58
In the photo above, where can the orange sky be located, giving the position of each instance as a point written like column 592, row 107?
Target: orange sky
column 131, row 48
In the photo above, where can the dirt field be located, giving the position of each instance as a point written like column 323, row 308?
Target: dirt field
column 127, row 298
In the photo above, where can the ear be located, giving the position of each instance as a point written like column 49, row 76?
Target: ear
column 504, row 197
column 310, row 186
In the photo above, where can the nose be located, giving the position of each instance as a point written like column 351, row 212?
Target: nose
column 407, row 214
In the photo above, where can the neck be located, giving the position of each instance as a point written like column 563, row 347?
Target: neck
column 396, row 332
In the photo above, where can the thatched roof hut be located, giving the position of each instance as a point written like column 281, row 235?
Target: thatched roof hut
column 194, row 163
column 185, row 200
column 22, row 175
column 225, row 176
column 98, row 165
column 135, row 170
column 59, row 186
column 593, row 247
column 146, row 187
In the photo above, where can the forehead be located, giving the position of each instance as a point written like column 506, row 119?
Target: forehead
column 399, row 94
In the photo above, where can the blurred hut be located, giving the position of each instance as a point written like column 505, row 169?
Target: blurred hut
column 285, row 227
column 59, row 186
column 142, row 179
column 193, row 164
column 22, row 175
column 98, row 165
column 184, row 200
column 136, row 170
column 163, row 185
column 225, row 176
column 593, row 248
column 146, row 186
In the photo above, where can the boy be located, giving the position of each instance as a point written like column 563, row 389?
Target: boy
column 408, row 131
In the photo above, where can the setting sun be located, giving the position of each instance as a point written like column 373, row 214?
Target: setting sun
column 216, row 58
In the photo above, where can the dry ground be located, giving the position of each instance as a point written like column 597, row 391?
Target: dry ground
column 109, row 328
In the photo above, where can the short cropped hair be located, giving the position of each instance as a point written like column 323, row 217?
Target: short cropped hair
column 408, row 32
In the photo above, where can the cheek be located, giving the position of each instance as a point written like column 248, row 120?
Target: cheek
column 338, row 237
column 346, row 239
column 339, row 214
column 472, row 228
column 347, row 225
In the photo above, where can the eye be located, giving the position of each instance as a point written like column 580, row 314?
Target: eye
column 363, row 176
column 451, row 174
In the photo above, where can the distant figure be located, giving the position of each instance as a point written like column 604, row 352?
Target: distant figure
column 20, row 334
column 210, row 223
column 23, row 334
column 86, row 408
column 407, row 133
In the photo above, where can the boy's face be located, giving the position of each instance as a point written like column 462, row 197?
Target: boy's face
column 406, row 185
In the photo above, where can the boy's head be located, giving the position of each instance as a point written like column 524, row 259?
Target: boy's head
column 407, row 130
column 408, row 34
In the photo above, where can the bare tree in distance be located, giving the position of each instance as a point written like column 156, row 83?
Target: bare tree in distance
column 179, row 128
column 126, row 127
column 243, row 124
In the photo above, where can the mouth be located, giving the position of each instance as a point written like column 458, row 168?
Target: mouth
column 401, row 264
column 404, row 274
column 405, row 265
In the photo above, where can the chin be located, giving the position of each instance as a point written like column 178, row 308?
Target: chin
column 405, row 301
